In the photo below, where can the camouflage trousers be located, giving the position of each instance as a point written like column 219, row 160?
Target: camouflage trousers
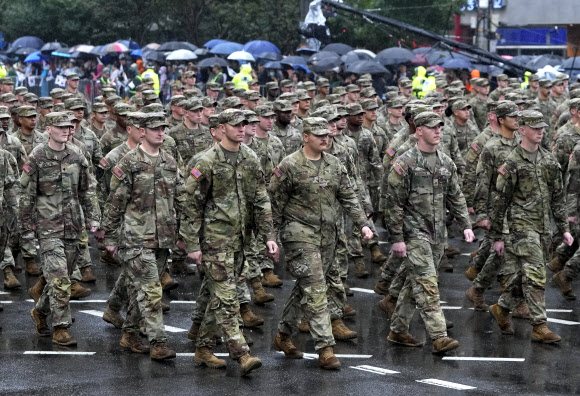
column 16, row 243
column 7, row 258
column 222, row 271
column 495, row 266
column 3, row 243
column 572, row 267
column 318, row 291
column 485, row 249
column 566, row 252
column 58, row 259
column 141, row 268
column 390, row 268
column 420, row 289
column 85, row 256
column 527, row 253
column 257, row 258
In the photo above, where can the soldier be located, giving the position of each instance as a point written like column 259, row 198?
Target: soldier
column 28, row 136
column 282, row 129
column 6, row 85
column 479, row 102
column 272, row 91
column 72, row 87
column 212, row 90
column 140, row 224
column 45, row 106
column 464, row 131
column 57, row 202
column 531, row 193
column 296, row 122
column 286, row 86
column 310, row 88
column 215, row 221
column 267, row 118
column 190, row 136
column 30, row 99
column 420, row 183
column 84, row 134
column 395, row 120
column 558, row 91
column 304, row 102
column 177, row 110
column 208, row 110
column 100, row 117
column 566, row 138
column 251, row 99
column 323, row 86
column 547, row 107
column 307, row 188
column 352, row 93
column 110, row 102
column 118, row 135
column 188, row 79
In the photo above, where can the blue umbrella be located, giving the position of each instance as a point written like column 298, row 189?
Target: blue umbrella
column 271, row 56
column 27, row 42
column 449, row 57
column 213, row 42
column 61, row 54
column 366, row 66
column 293, row 61
column 458, row 63
column 129, row 44
column 258, row 46
column 273, row 65
column 226, row 48
column 339, row 48
column 303, row 67
column 36, row 57
column 137, row 52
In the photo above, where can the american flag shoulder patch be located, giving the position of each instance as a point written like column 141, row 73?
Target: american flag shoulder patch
column 26, row 168
column 399, row 169
column 118, row 172
column 196, row 173
column 104, row 162
column 390, row 151
column 277, row 172
column 475, row 147
column 502, row 170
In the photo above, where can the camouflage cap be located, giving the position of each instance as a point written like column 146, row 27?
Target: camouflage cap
column 141, row 87
column 212, row 86
column 340, row 91
column 502, row 77
column 282, row 105
column 74, row 104
column 460, row 105
column 177, row 100
column 14, row 108
column 285, row 83
column 192, row 93
column 231, row 116
column 309, row 86
column 45, row 102
column 99, row 108
column 333, row 98
column 403, row 80
column 428, row 119
column 251, row 116
column 58, row 118
column 354, row 109
column 574, row 104
column 107, row 91
column 368, row 92
column 406, row 84
column 26, row 111
column 366, row 76
column 193, row 104
column 341, row 110
column 154, row 120
column 505, row 108
column 392, row 88
column 453, row 91
column 56, row 93
column 206, row 102
column 302, row 95
column 135, row 118
column 58, row 107
column 397, row 101
column 4, row 112
column 364, row 83
column 8, row 98
column 491, row 106
column 213, row 121
column 320, row 103
column 327, row 112
column 416, row 109
column 481, row 82
column 99, row 99
column 514, row 86
column 251, row 95
column 189, row 74
column 72, row 76
column 263, row 111
column 532, row 118
column 514, row 97
column 323, row 82
column 122, row 109
column 545, row 83
column 6, row 81
column 271, row 85
column 231, row 102
column 457, row 84
column 529, row 104
column 441, row 84
column 574, row 86
column 229, row 85
column 20, row 91
column 176, row 85
column 239, row 92
column 513, row 80
column 253, row 82
column 316, row 126
column 352, row 88
column 65, row 96
column 113, row 100
column 147, row 81
column 149, row 94
column 369, row 104
column 152, row 108
column 534, row 77
column 290, row 97
column 557, row 82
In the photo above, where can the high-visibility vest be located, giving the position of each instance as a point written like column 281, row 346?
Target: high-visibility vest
column 155, row 77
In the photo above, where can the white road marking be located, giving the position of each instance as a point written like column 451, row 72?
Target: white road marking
column 483, row 359
column 383, row 243
column 446, row 384
column 1, row 292
column 190, row 354
column 77, row 301
column 58, row 353
column 560, row 321
column 442, row 302
column 358, row 289
column 182, row 302
column 559, row 310
column 6, row 302
column 374, row 370
column 466, row 254
column 170, row 329
column 450, row 307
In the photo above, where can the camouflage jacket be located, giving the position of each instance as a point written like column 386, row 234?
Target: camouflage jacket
column 91, row 141
column 479, row 107
column 449, row 145
column 419, row 197
column 547, row 108
column 465, row 134
column 98, row 132
column 29, row 142
column 9, row 187
column 275, row 148
column 112, row 138
column 172, row 121
column 144, row 203
column 190, row 141
column 264, row 156
column 531, row 193
column 306, row 200
column 380, row 137
column 58, row 194
column 370, row 166
column 572, row 183
column 14, row 147
column 298, row 124
column 289, row 136
column 104, row 171
column 225, row 203
column 567, row 139
column 471, row 161
column 390, row 128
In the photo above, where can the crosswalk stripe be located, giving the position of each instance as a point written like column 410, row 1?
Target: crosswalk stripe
column 561, row 321
column 374, row 370
column 446, row 384
column 182, row 302
column 170, row 329
column 483, row 359
column 358, row 289
column 560, row 310
column 58, row 353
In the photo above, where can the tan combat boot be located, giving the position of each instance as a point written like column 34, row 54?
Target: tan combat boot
column 164, row 306
column 10, row 281
column 542, row 334
column 36, row 291
column 77, row 291
column 360, row 268
column 451, row 251
column 382, row 287
column 269, row 279
column 521, row 311
column 341, row 332
column 62, row 337
column 248, row 364
column 31, row 266
column 108, row 258
column 167, row 283
column 260, row 295
column 557, row 264
column 388, row 305
column 475, row 295
column 347, row 290
column 471, row 273
column 501, row 315
column 113, row 317
column 474, row 253
column 87, row 275
column 40, row 323
column 444, row 344
column 193, row 331
column 376, row 254
column 283, row 343
column 134, row 343
column 161, row 351
column 564, row 283
column 445, row 264
column 405, row 339
column 303, row 327
column 349, row 312
column 205, row 357
column 327, row 360
column 250, row 319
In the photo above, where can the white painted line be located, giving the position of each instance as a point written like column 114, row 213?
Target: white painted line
column 450, row 307
column 560, row 310
column 347, row 356
column 58, row 353
column 190, row 354
column 183, row 302
column 466, row 254
column 483, row 359
column 566, row 322
column 76, row 301
column 93, row 312
column 170, row 329
column 446, row 384
column 358, row 289
column 383, row 243
column 1, row 292
column 442, row 302
column 374, row 370
column 6, row 302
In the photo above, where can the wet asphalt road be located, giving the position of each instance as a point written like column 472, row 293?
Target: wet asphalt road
column 370, row 365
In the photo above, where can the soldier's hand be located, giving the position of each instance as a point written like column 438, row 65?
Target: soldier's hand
column 498, row 247
column 273, row 251
column 181, row 245
column 468, row 234
column 112, row 250
column 367, row 233
column 400, row 249
column 94, row 229
column 572, row 219
column 568, row 239
column 195, row 257
column 100, row 235
column 484, row 224
column 470, row 210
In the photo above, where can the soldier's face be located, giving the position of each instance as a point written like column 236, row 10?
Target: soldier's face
column 208, row 111
column 371, row 115
column 462, row 114
column 100, row 117
column 304, row 105
column 545, row 91
column 154, row 136
column 356, row 119
column 212, row 94
column 178, row 111
column 407, row 91
column 428, row 135
column 295, row 107
column 76, row 123
column 45, row 111
column 532, row 135
column 255, row 87
column 28, row 122
column 558, row 89
column 502, row 84
column 312, row 93
column 6, row 88
column 511, row 123
column 341, row 123
column 73, row 84
column 534, row 84
column 266, row 123
column 234, row 133
column 189, row 81
column 79, row 114
column 284, row 117
column 250, row 104
column 194, row 115
column 136, row 135
column 323, row 90
column 58, row 134
column 438, row 110
column 5, row 122
column 122, row 121
column 353, row 97
column 250, row 129
column 332, row 128
column 316, row 143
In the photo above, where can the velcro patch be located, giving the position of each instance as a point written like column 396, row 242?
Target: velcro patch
column 104, row 162
column 196, row 173
column 475, row 147
column 390, row 152
column 118, row 172
column 502, row 170
column 27, row 168
column 399, row 169
column 277, row 172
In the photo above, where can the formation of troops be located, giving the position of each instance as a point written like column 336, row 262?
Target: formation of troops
column 230, row 181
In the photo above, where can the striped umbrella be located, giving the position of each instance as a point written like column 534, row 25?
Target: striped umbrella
column 115, row 47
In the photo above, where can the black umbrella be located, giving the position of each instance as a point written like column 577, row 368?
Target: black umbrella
column 433, row 57
column 326, row 64
column 293, row 60
column 273, row 65
column 571, row 63
column 176, row 45
column 421, row 50
column 394, row 56
column 542, row 61
column 322, row 55
column 366, row 66
column 98, row 50
column 27, row 42
column 522, row 60
column 270, row 56
column 54, row 46
column 24, row 51
column 154, row 56
column 351, row 57
column 209, row 62
column 339, row 48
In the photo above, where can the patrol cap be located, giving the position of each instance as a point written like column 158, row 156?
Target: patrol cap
column 26, row 111
column 192, row 93
column 4, row 112
column 231, row 102
column 152, row 108
column 428, row 119
column 177, row 100
column 193, row 104
column 212, row 86
column 137, row 101
column 176, row 85
column 369, row 104
column 6, row 81
column 403, row 80
column 453, row 91
column 368, row 92
column 271, row 85
column 392, row 89
column 231, row 116
column 364, row 83
column 239, row 92
column 290, row 97
column 147, row 81
column 59, row 118
column 514, row 97
column 323, row 82
column 208, row 102
column 502, row 77
column 56, row 93
column 285, row 83
column 316, row 125
column 251, row 95
column 122, row 109
column 309, row 86
column 20, row 91
column 341, row 110
column 8, row 98
column 99, row 99
column 58, row 107
column 113, row 100
column 340, row 91
column 99, row 108
column 562, row 77
column 354, row 109
column 534, row 77
column 352, row 88
column 397, row 101
column 213, row 121
column 45, row 102
column 514, row 86
column 154, row 120
column 135, row 118
column 557, row 82
column 263, row 111
column 529, row 104
column 481, row 82
column 406, row 84
column 320, row 103
column 251, row 116
column 74, row 104
column 460, row 105
column 14, row 108
column 574, row 86
column 574, row 104
column 149, row 94
column 302, row 95
column 457, row 84
column 65, row 96
column 491, row 106
column 326, row 112
column 189, row 74
column 513, row 80
column 229, row 85
column 333, row 98
column 416, row 109
column 72, row 76
column 505, row 108
column 282, row 105
column 545, row 83
column 532, row 118
column 441, row 83
column 253, row 82
column 366, row 76
column 141, row 87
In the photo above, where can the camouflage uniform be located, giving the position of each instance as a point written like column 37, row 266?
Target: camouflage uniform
column 471, row 161
column 290, row 137
column 571, row 254
column 190, row 141
column 29, row 142
column 464, row 134
column 479, row 107
column 9, row 193
column 547, row 108
column 117, row 135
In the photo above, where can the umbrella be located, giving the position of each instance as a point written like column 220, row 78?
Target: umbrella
column 36, row 56
column 181, row 55
column 154, row 56
column 24, row 51
column 115, row 47
column 258, row 46
column 323, row 55
column 339, row 48
column 98, row 50
column 242, row 56
column 226, row 48
column 571, row 62
column 366, row 66
column 201, row 51
column 419, row 60
column 129, row 44
column 365, row 54
column 293, row 60
column 457, row 63
column 209, row 62
column 61, row 54
column 27, row 42
column 273, row 65
column 451, row 56
column 82, row 48
column 422, row 50
column 175, row 45
column 137, row 52
column 271, row 56
column 4, row 58
column 522, row 60
column 153, row 46
column 213, row 42
column 394, row 56
column 49, row 47
column 541, row 61
column 351, row 57
column 326, row 64
column 433, row 56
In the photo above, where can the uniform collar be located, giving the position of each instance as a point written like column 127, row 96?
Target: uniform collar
column 142, row 157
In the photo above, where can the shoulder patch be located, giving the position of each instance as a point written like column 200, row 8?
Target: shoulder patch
column 390, row 152
column 277, row 172
column 502, row 170
column 104, row 162
column 26, row 168
column 196, row 173
column 399, row 169
column 570, row 157
column 475, row 147
column 555, row 137
column 118, row 172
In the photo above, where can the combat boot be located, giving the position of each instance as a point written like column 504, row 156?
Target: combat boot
column 405, row 339
column 250, row 319
column 10, row 281
column 260, row 295
column 471, row 273
column 62, row 337
column 113, row 317
column 31, row 266
column 557, row 264
column 303, row 327
column 564, row 283
column 205, row 357
column 134, row 343
column 473, row 254
column 193, row 331
column 36, row 291
column 108, row 258
column 347, row 290
column 451, row 251
column 376, row 254
column 449, row 324
column 40, row 323
column 247, row 336
column 444, row 344
column 77, row 291
column 360, row 268
column 382, row 287
column 248, row 364
column 521, row 311
column 269, row 279
column 388, row 304
column 542, row 334
column 283, row 343
column 341, row 332
column 445, row 265
column 475, row 295
column 167, row 283
column 327, row 360
column 87, row 275
column 161, row 351
column 501, row 315
column 165, row 307
column 349, row 312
